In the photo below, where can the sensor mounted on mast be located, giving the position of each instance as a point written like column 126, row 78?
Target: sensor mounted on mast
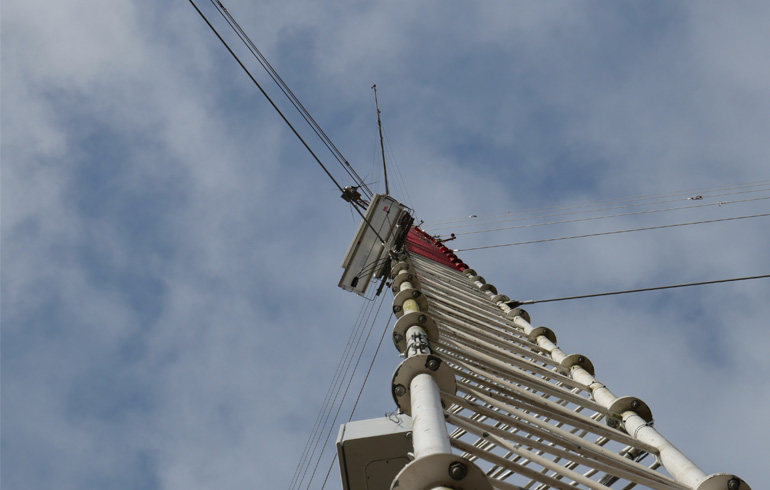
column 375, row 237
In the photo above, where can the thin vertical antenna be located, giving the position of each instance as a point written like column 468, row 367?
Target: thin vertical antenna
column 382, row 144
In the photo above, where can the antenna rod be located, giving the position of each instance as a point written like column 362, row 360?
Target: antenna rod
column 382, row 144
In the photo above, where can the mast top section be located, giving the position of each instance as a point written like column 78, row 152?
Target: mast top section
column 382, row 141
column 382, row 230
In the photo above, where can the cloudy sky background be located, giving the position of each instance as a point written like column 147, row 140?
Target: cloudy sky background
column 170, row 251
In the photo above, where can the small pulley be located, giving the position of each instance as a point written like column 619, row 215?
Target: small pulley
column 351, row 195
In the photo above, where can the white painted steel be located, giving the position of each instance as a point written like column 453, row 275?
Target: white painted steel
column 675, row 462
column 529, row 455
column 411, row 305
column 374, row 237
column 406, row 284
column 429, row 432
column 487, row 340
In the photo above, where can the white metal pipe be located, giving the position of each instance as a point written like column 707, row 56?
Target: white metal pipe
column 411, row 305
column 676, row 463
column 407, row 284
column 429, row 432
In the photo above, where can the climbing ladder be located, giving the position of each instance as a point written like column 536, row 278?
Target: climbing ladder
column 491, row 401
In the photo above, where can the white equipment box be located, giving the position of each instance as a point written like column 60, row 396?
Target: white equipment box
column 372, row 452
column 367, row 252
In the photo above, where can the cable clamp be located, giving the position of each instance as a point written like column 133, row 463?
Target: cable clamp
column 648, row 424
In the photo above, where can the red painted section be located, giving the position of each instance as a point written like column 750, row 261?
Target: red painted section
column 420, row 243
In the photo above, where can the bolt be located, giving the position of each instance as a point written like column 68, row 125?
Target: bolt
column 399, row 390
column 398, row 337
column 409, row 277
column 612, row 423
column 635, row 404
column 416, row 294
column 433, row 364
column 581, row 360
column 734, row 484
column 422, row 319
column 396, row 308
column 457, row 471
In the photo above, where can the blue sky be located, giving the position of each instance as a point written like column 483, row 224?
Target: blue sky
column 170, row 251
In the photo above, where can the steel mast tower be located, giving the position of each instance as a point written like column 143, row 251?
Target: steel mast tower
column 486, row 399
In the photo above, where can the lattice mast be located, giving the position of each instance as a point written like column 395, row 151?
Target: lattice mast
column 495, row 403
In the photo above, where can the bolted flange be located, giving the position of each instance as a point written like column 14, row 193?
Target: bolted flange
column 477, row 279
column 400, row 278
column 576, row 360
column 722, row 481
column 421, row 364
column 398, row 267
column 441, row 470
column 410, row 319
column 518, row 312
column 538, row 331
column 406, row 294
column 631, row 403
column 500, row 298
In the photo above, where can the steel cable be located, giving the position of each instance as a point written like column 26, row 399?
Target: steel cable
column 344, row 395
column 681, row 193
column 334, row 382
column 524, row 218
column 628, row 291
column 720, row 204
column 608, row 233
column 334, row 403
column 236, row 27
column 363, row 385
column 254, row 80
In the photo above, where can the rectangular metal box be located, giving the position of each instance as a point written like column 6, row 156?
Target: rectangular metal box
column 372, row 452
column 366, row 253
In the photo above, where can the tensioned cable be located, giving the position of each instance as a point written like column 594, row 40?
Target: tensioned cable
column 593, row 206
column 329, row 409
column 609, row 233
column 213, row 29
column 345, row 359
column 290, row 95
column 335, row 403
column 350, row 381
column 237, row 59
column 334, row 382
column 657, row 288
column 369, row 371
column 358, row 398
column 720, row 204
column 400, row 177
column 614, row 201
column 524, row 218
